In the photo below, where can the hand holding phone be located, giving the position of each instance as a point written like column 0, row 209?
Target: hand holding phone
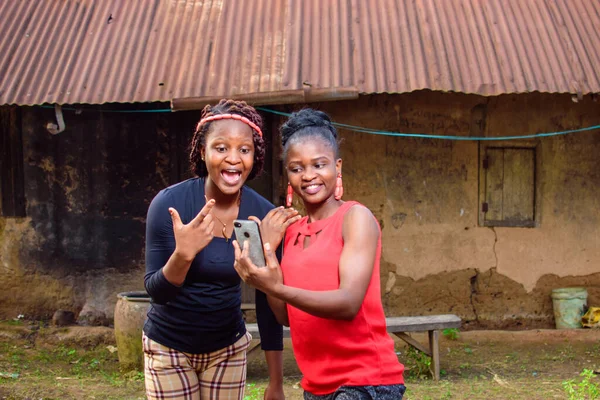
column 249, row 231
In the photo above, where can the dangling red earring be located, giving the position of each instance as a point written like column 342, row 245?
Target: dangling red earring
column 290, row 196
column 339, row 188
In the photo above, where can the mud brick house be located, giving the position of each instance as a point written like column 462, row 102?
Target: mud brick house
column 98, row 100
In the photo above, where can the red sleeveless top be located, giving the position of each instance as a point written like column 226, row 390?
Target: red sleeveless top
column 333, row 353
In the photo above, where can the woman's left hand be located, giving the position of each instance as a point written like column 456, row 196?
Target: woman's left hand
column 274, row 392
column 275, row 223
column 266, row 279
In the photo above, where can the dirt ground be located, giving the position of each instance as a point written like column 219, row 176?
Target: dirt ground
column 38, row 362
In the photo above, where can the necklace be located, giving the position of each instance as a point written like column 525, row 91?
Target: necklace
column 224, row 228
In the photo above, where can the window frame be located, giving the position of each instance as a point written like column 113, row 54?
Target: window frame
column 517, row 144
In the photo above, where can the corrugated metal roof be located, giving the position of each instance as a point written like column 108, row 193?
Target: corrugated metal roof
column 487, row 47
column 86, row 51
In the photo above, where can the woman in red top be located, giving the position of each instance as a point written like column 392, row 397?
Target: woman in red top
column 327, row 288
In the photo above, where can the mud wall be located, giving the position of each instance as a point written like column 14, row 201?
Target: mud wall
column 437, row 256
column 87, row 191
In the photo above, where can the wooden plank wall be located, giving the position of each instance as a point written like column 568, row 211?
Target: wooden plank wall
column 12, row 193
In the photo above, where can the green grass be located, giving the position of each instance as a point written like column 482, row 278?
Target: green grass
column 474, row 367
column 253, row 392
column 450, row 333
column 62, row 372
column 585, row 389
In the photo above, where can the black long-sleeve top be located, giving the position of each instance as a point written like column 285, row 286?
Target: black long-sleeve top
column 203, row 315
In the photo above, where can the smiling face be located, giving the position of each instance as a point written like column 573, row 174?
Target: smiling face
column 312, row 169
column 229, row 154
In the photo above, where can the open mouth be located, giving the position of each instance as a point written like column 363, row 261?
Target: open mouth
column 231, row 176
column 312, row 189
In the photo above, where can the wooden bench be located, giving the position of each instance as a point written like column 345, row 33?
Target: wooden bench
column 399, row 326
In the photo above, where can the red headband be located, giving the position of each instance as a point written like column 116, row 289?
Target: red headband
column 230, row 116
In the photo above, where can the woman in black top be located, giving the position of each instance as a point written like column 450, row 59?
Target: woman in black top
column 195, row 339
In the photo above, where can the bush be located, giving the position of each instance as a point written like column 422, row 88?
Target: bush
column 584, row 390
column 450, row 333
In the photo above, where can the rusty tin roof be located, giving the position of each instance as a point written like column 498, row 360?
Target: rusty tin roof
column 282, row 51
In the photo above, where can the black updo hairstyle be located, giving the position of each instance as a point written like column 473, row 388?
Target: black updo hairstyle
column 197, row 166
column 308, row 123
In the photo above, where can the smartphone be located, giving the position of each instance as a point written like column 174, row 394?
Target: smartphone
column 249, row 231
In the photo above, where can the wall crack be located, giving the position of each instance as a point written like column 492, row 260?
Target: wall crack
column 474, row 279
column 494, row 246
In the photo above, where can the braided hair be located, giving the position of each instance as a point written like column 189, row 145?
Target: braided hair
column 309, row 123
column 197, row 165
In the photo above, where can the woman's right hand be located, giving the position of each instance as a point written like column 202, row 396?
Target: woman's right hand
column 267, row 279
column 191, row 238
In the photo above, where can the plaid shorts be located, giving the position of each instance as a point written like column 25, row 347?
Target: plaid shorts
column 171, row 374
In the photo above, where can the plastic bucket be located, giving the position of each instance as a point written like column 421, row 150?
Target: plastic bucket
column 569, row 306
column 130, row 315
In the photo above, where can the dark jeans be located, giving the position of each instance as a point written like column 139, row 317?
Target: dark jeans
column 388, row 392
